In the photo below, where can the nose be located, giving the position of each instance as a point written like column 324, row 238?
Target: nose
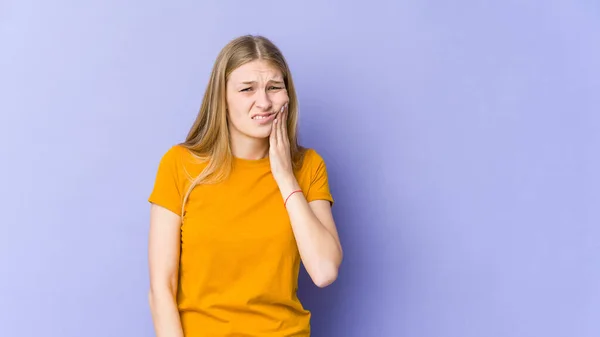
column 263, row 101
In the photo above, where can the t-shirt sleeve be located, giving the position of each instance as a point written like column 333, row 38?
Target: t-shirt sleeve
column 319, row 182
column 167, row 190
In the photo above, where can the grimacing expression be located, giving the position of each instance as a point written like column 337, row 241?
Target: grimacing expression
column 255, row 94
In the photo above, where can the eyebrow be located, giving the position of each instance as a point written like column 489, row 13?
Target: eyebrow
column 253, row 82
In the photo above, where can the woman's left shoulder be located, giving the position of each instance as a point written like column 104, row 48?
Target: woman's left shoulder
column 312, row 160
column 313, row 176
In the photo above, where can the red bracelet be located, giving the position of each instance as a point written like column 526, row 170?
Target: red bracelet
column 286, row 199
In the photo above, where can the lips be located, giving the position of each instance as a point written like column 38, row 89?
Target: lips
column 262, row 116
column 264, row 119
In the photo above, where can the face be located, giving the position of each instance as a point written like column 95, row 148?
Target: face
column 255, row 94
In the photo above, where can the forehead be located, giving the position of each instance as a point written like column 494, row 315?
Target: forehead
column 256, row 71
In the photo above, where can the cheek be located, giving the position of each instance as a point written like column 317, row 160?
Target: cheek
column 281, row 98
column 236, row 115
column 239, row 112
column 237, row 106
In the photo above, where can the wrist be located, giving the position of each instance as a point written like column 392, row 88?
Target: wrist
column 291, row 195
column 288, row 185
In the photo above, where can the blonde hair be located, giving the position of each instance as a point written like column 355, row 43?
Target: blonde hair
column 208, row 138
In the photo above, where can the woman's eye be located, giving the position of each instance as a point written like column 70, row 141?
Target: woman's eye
column 269, row 88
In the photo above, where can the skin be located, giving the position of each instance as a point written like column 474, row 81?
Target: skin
column 254, row 88
column 257, row 88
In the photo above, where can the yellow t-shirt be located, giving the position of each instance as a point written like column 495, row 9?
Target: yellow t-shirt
column 239, row 261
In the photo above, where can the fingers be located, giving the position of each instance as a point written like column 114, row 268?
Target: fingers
column 280, row 123
column 273, row 135
column 279, row 128
column 285, row 121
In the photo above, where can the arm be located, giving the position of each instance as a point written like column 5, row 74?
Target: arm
column 163, row 256
column 315, row 233
column 312, row 223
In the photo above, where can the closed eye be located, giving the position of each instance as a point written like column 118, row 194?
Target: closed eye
column 270, row 88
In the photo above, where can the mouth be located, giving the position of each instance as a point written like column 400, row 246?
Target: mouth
column 264, row 118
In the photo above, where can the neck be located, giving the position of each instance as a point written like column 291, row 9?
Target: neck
column 249, row 148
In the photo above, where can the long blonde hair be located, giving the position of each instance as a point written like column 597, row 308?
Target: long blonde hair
column 208, row 138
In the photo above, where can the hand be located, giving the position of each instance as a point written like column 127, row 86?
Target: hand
column 279, row 149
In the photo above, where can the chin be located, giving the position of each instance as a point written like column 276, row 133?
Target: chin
column 258, row 134
column 251, row 131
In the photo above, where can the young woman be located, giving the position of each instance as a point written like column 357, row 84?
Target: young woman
column 238, row 205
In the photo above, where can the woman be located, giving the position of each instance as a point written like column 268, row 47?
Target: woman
column 238, row 205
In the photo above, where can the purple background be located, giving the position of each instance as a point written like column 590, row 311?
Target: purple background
column 462, row 140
